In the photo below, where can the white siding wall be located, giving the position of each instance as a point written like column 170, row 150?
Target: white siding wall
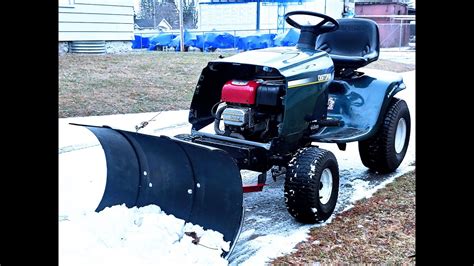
column 227, row 16
column 84, row 20
column 242, row 16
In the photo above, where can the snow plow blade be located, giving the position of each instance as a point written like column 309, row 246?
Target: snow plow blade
column 196, row 183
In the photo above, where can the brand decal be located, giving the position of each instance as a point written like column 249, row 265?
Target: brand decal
column 324, row 77
column 331, row 103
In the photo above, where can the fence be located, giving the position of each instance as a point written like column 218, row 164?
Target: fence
column 396, row 31
column 229, row 39
column 235, row 35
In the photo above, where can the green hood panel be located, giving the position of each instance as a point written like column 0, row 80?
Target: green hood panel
column 284, row 59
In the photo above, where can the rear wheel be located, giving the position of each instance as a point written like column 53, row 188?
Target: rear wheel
column 384, row 151
column 312, row 185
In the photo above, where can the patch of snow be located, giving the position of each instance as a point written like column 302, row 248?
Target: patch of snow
column 363, row 190
column 311, row 171
column 360, row 190
column 63, row 48
column 73, row 138
column 118, row 47
column 271, row 246
column 82, row 178
column 136, row 236
column 247, row 233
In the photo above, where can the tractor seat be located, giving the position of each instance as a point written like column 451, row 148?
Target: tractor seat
column 355, row 44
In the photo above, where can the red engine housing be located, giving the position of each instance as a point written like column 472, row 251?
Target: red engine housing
column 240, row 91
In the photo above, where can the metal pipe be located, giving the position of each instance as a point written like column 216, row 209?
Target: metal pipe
column 258, row 15
column 181, row 26
column 241, row 141
column 400, row 41
column 217, row 121
column 154, row 14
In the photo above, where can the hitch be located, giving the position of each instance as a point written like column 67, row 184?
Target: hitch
column 277, row 171
column 262, row 178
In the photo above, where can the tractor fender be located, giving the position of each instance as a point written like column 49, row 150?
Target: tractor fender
column 393, row 87
column 360, row 105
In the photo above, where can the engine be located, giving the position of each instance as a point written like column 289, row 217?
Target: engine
column 252, row 110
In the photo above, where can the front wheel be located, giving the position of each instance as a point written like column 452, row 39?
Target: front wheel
column 312, row 185
column 384, row 151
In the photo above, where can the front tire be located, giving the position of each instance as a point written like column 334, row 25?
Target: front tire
column 385, row 151
column 312, row 185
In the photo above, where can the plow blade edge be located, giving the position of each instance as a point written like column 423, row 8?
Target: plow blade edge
column 196, row 183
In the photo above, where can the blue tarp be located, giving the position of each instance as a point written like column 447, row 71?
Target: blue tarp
column 211, row 41
column 289, row 38
column 140, row 42
column 207, row 42
column 266, row 40
column 255, row 41
column 189, row 40
column 160, row 40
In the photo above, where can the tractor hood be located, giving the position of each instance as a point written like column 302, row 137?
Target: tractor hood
column 296, row 67
column 284, row 59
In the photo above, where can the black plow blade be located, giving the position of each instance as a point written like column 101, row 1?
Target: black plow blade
column 196, row 183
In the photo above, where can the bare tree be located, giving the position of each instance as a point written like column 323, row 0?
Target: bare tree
column 168, row 10
column 156, row 10
column 410, row 3
column 146, row 9
column 190, row 15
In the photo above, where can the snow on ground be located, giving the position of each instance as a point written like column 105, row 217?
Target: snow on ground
column 136, row 236
column 160, row 123
column 268, row 230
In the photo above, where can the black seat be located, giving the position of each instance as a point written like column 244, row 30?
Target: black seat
column 355, row 44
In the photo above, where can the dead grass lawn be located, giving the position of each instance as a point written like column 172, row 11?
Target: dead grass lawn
column 138, row 81
column 379, row 230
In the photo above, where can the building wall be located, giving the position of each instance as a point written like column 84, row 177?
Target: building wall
column 392, row 32
column 381, row 9
column 242, row 16
column 84, row 20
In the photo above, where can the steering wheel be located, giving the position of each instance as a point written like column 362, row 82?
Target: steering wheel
column 318, row 28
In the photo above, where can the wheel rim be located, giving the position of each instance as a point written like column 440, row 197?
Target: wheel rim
column 325, row 186
column 400, row 135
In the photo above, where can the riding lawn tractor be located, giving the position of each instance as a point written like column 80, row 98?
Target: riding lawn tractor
column 266, row 110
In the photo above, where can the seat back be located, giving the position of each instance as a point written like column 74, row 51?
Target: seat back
column 353, row 45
